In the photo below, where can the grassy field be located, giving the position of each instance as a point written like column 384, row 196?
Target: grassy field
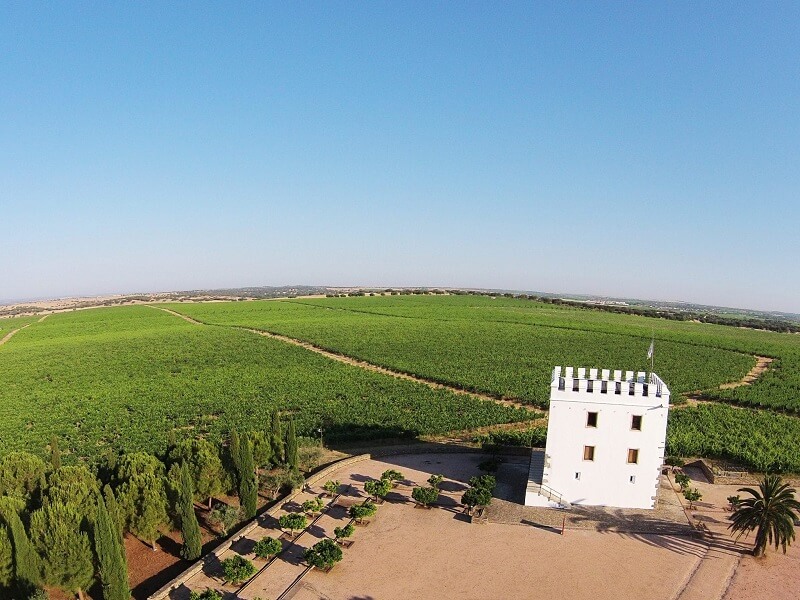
column 122, row 377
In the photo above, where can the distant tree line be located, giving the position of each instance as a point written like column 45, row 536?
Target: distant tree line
column 768, row 323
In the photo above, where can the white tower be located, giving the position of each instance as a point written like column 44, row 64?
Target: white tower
column 605, row 440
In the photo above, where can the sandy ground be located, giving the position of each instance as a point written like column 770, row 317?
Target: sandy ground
column 408, row 552
column 416, row 553
column 775, row 576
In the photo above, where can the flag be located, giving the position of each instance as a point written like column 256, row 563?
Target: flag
column 651, row 349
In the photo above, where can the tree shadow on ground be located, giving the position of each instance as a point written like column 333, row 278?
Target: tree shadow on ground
column 452, row 486
column 243, row 546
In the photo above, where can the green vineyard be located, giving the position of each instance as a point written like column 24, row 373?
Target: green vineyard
column 122, row 378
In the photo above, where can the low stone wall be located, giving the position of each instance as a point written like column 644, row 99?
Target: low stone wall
column 740, row 478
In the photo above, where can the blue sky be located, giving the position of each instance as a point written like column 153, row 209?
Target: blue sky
column 628, row 149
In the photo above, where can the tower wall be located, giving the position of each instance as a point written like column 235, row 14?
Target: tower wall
column 624, row 466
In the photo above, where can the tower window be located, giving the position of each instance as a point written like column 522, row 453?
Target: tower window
column 591, row 419
column 636, row 422
column 633, row 456
column 588, row 453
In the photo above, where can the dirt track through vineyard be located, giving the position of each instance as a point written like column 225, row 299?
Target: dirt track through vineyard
column 367, row 366
column 11, row 334
column 761, row 366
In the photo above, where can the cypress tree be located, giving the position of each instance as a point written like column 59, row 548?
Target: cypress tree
column 111, row 561
column 248, row 486
column 26, row 558
column 236, row 457
column 276, row 438
column 291, row 446
column 190, row 529
column 55, row 454
column 6, row 560
column 115, row 513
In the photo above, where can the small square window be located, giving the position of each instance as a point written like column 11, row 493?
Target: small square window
column 633, row 456
column 632, row 478
column 636, row 422
column 588, row 453
column 591, row 419
column 577, row 475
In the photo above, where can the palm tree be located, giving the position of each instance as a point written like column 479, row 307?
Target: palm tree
column 770, row 511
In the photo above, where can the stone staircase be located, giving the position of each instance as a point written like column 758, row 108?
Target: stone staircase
column 535, row 484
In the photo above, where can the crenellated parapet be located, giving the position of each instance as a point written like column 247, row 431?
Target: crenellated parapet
column 625, row 384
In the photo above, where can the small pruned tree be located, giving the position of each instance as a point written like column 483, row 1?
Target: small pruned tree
column 324, row 554
column 267, row 547
column 435, row 480
column 770, row 511
column 394, row 476
column 682, row 479
column 487, row 482
column 425, row 496
column 331, row 487
column 733, row 501
column 476, row 496
column 378, row 488
column 313, row 506
column 237, row 569
column 341, row 533
column 293, row 522
column 692, row 495
column 359, row 512
column 225, row 517
column 207, row 594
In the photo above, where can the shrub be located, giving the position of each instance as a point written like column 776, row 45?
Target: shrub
column 293, row 522
column 208, row 594
column 237, row 569
column 313, row 506
column 378, row 488
column 324, row 554
column 476, row 496
column 344, row 532
column 362, row 511
column 692, row 495
column 392, row 475
column 425, row 495
column 435, row 480
column 487, row 482
column 682, row 479
column 331, row 487
column 267, row 547
column 225, row 516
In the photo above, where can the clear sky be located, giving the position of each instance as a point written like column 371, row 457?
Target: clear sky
column 633, row 149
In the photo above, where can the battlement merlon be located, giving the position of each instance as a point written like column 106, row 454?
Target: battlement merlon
column 627, row 386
